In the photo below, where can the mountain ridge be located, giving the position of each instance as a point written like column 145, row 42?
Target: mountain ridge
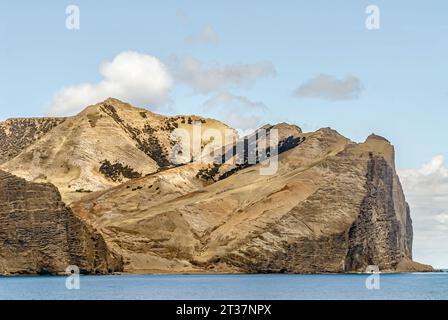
column 100, row 146
column 331, row 206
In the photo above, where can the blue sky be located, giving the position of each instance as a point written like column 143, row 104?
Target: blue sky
column 402, row 66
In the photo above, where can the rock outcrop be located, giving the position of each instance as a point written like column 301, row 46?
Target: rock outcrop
column 40, row 235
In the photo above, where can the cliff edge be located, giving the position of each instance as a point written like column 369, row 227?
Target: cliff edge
column 40, row 235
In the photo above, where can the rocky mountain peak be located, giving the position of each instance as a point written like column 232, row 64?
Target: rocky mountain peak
column 105, row 145
column 375, row 137
column 287, row 126
column 117, row 106
column 329, row 205
column 382, row 146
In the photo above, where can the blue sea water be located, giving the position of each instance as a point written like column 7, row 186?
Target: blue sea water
column 129, row 287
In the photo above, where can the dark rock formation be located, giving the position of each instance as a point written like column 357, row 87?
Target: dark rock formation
column 375, row 237
column 40, row 235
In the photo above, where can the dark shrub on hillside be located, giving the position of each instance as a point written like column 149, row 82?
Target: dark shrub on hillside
column 117, row 171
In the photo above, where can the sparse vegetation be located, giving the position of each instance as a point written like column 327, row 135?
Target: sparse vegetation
column 149, row 145
column 170, row 124
column 208, row 174
column 143, row 115
column 204, row 143
column 17, row 134
column 237, row 168
column 83, row 191
column 117, row 171
column 153, row 148
column 93, row 118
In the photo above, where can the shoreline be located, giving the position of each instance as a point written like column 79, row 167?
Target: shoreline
column 437, row 271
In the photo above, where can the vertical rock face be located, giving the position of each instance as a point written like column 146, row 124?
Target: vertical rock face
column 382, row 233
column 379, row 235
column 40, row 235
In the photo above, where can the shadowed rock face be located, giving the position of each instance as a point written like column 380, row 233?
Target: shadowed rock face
column 40, row 235
column 376, row 234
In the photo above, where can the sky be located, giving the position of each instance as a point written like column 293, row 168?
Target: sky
column 311, row 63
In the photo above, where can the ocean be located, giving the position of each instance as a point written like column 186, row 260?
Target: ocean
column 229, row 287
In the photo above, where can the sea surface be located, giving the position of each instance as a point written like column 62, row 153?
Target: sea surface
column 228, row 287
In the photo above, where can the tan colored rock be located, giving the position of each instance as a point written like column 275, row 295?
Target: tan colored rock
column 40, row 235
column 17, row 134
column 333, row 206
column 101, row 147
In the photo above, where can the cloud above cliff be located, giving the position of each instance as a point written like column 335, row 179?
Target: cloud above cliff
column 208, row 78
column 226, row 99
column 330, row 88
column 426, row 190
column 144, row 80
column 131, row 76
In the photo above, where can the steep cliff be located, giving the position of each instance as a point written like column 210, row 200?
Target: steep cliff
column 40, row 235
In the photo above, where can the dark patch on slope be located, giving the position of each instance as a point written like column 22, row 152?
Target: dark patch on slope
column 251, row 156
column 149, row 145
column 18, row 134
column 116, row 171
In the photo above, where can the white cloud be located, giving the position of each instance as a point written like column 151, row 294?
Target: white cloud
column 239, row 112
column 242, row 122
column 227, row 99
column 426, row 190
column 328, row 87
column 206, row 36
column 133, row 77
column 205, row 79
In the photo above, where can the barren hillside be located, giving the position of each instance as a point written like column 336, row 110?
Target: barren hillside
column 333, row 206
column 101, row 147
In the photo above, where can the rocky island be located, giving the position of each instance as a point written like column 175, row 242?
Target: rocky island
column 100, row 190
